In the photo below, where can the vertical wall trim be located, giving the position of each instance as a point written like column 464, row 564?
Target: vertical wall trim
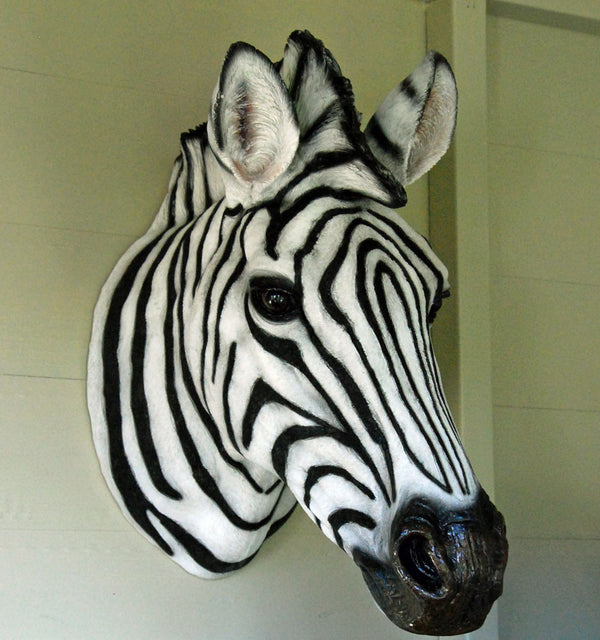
column 459, row 229
column 459, row 232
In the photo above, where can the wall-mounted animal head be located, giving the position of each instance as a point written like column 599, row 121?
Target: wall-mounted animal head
column 266, row 342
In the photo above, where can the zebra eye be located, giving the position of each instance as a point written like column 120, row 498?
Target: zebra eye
column 274, row 300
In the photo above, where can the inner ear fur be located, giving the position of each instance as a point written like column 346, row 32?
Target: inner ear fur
column 252, row 124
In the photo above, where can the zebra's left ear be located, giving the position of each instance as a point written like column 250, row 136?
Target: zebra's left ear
column 413, row 127
column 252, row 127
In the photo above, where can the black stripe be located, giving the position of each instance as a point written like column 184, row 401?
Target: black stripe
column 360, row 286
column 299, row 72
column 315, row 474
column 198, row 552
column 296, row 433
column 355, row 394
column 233, row 278
column 188, row 379
column 280, row 219
column 196, row 466
column 349, row 516
column 288, row 351
column 374, row 131
column 341, row 318
column 207, row 218
column 204, row 416
column 359, row 402
column 425, row 259
column 133, row 498
column 225, row 396
column 263, row 394
column 205, row 150
column 139, row 402
column 426, row 361
column 198, row 137
column 321, row 161
column 365, row 248
column 407, row 87
column 189, row 185
column 427, row 365
column 325, row 120
column 389, row 324
column 224, row 259
column 173, row 197
column 201, row 475
column 399, row 237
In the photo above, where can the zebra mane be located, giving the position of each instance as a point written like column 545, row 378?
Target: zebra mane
column 330, row 140
column 327, row 117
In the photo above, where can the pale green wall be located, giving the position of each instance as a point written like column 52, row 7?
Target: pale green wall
column 544, row 179
column 93, row 97
column 92, row 100
column 538, row 61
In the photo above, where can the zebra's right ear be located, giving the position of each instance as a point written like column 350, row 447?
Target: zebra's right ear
column 413, row 127
column 252, row 126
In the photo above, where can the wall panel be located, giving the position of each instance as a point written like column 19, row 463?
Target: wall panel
column 553, row 591
column 544, row 174
column 545, row 223
column 546, row 350
column 48, row 301
column 543, row 461
column 81, row 155
column 543, row 93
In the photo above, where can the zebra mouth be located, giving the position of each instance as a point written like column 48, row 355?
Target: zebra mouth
column 445, row 571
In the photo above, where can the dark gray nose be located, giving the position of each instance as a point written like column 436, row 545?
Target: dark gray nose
column 445, row 569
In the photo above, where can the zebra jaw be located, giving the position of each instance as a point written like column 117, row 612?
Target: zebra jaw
column 267, row 341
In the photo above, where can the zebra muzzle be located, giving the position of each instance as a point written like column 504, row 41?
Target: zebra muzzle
column 446, row 568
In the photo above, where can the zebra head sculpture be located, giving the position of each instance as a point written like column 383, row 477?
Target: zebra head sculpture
column 266, row 342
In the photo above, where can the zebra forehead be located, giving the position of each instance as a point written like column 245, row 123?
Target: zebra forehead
column 316, row 233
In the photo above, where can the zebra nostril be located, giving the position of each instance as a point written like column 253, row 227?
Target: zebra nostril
column 415, row 555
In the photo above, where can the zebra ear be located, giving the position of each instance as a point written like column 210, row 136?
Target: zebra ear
column 252, row 126
column 413, row 127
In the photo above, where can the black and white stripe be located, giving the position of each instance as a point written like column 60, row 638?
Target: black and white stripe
column 211, row 418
